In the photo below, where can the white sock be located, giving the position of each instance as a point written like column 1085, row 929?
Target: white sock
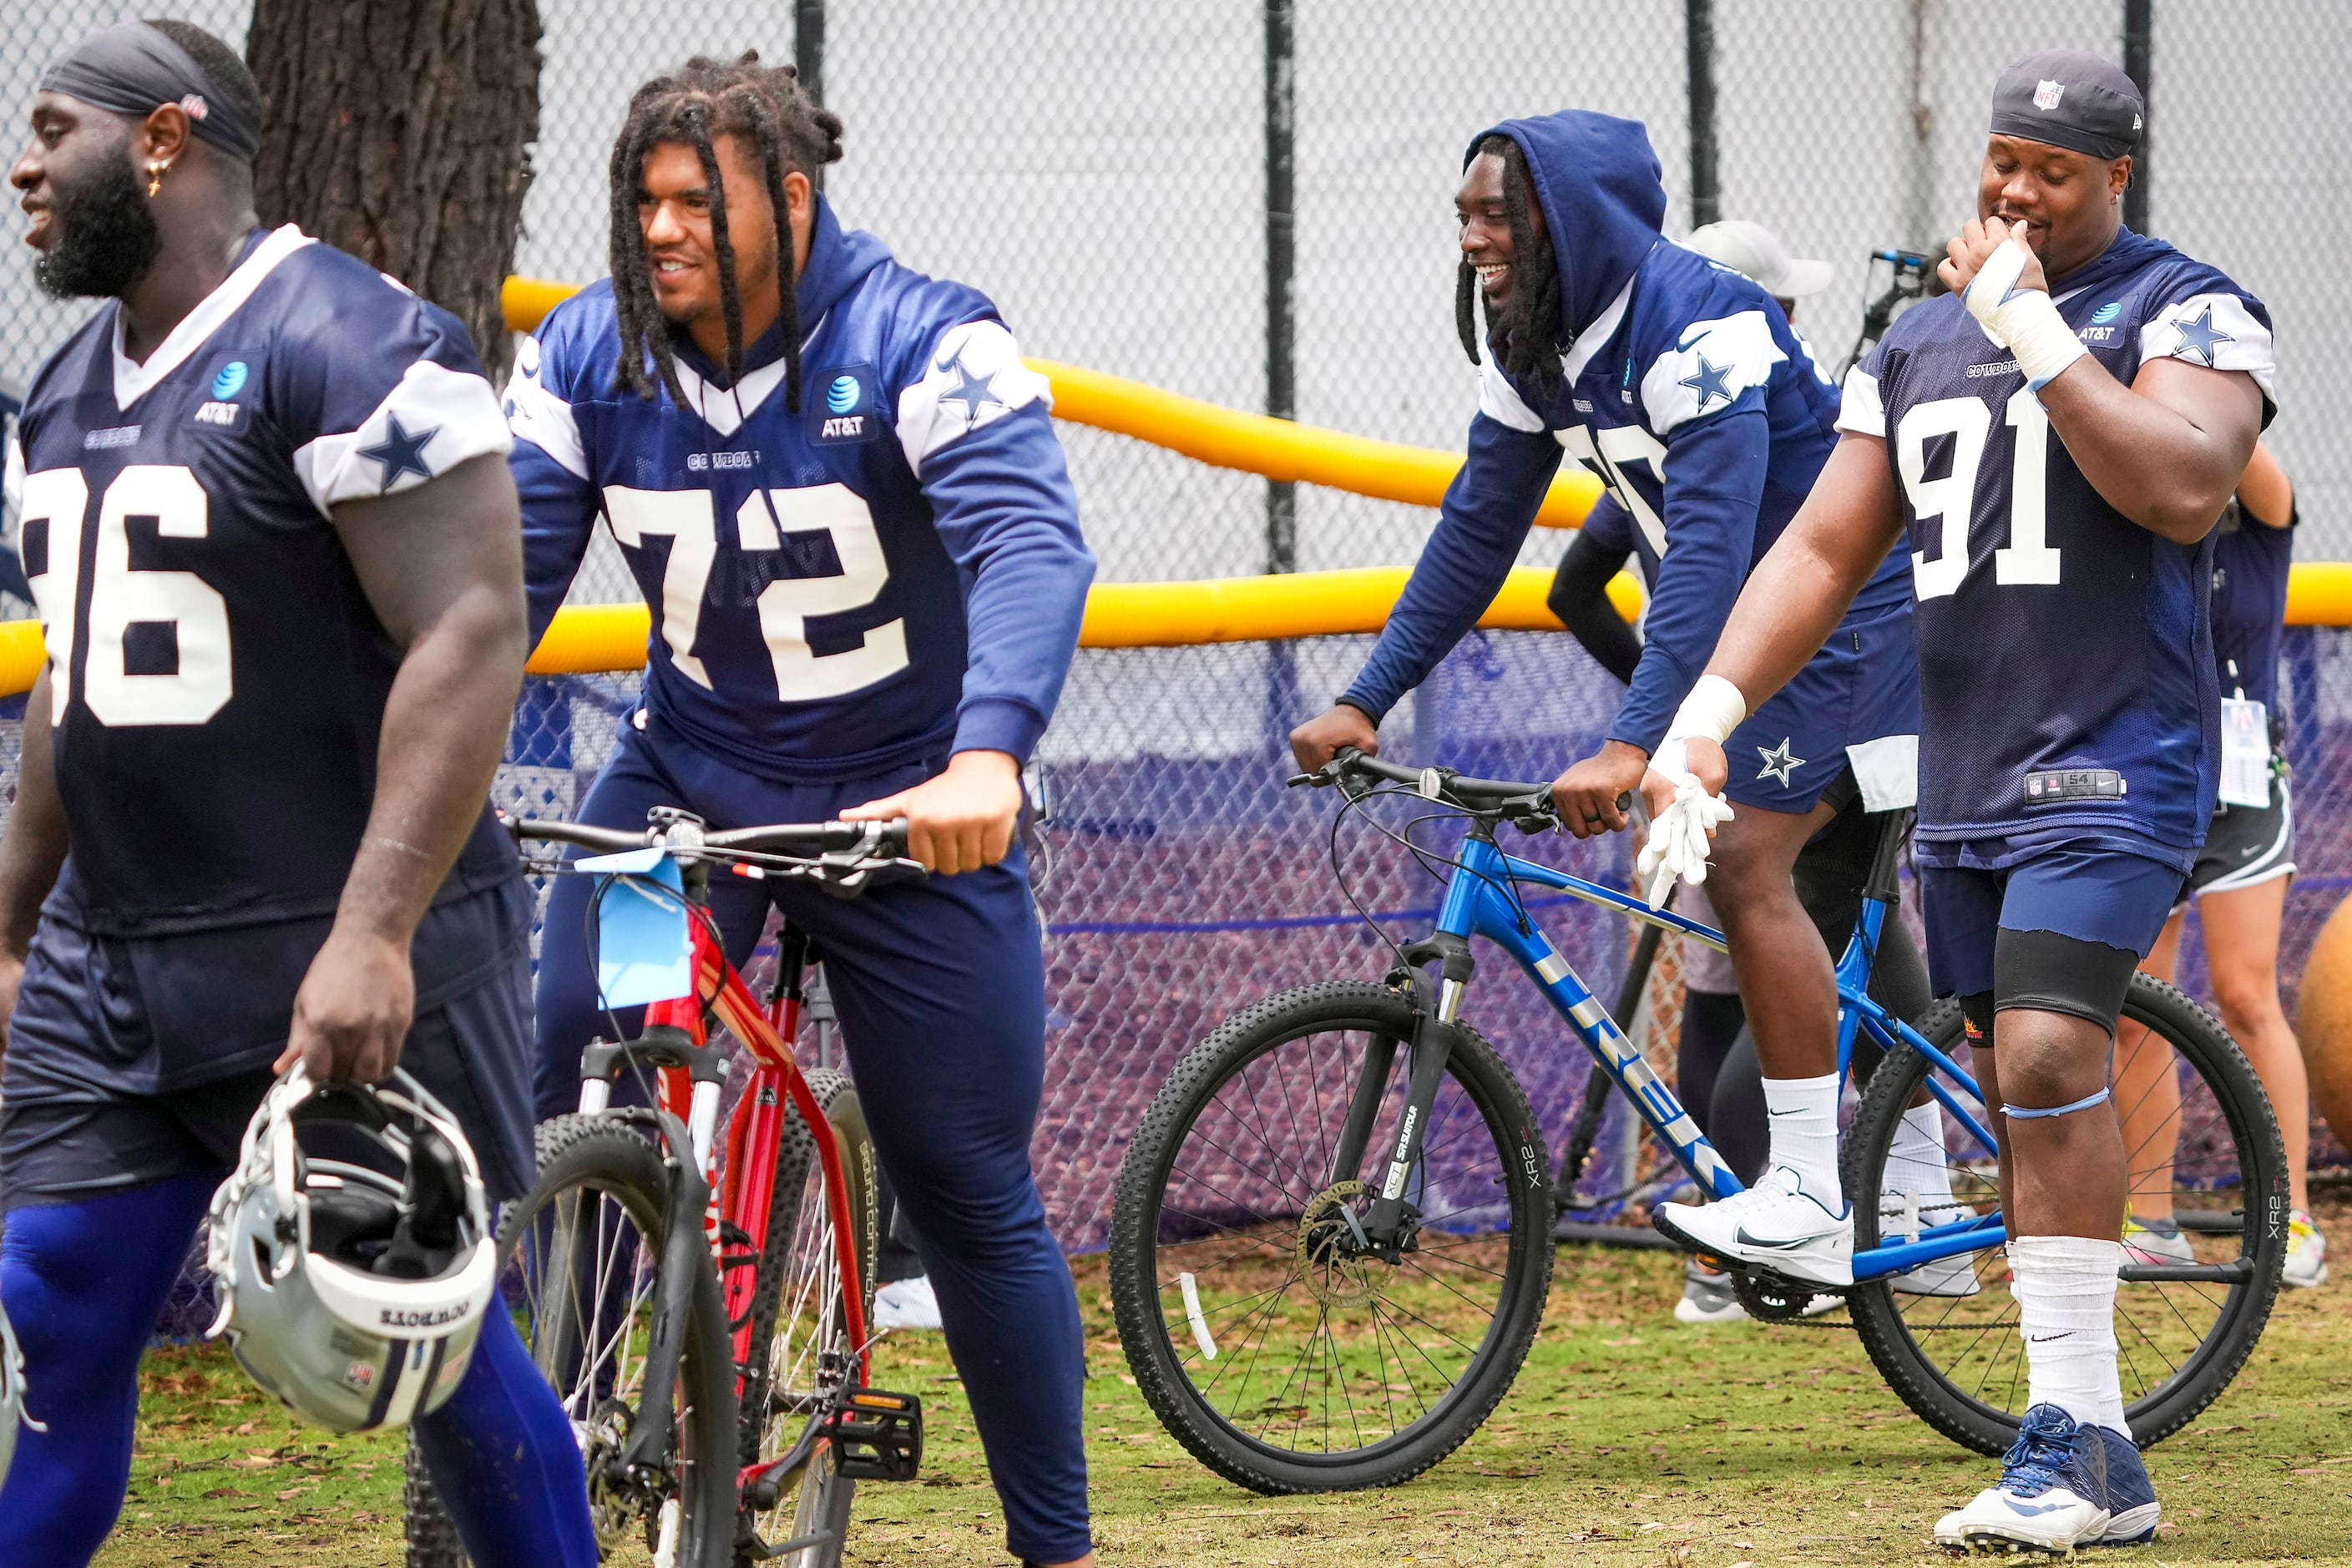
column 1805, row 1134
column 2066, row 1292
column 1917, row 1166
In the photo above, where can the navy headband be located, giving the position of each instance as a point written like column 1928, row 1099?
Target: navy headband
column 131, row 69
column 2069, row 99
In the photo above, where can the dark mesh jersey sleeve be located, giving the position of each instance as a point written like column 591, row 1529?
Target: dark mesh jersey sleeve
column 376, row 390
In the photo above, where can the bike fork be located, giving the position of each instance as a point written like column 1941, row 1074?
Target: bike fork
column 1433, row 1047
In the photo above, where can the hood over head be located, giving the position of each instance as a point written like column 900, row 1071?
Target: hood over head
column 1598, row 183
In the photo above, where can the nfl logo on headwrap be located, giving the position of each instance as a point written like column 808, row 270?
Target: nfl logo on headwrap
column 195, row 105
column 2046, row 94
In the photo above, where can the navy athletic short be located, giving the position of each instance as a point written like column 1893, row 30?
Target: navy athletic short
column 1856, row 703
column 134, row 1060
column 2110, row 888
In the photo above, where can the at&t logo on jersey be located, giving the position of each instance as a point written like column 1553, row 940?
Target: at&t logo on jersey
column 846, row 410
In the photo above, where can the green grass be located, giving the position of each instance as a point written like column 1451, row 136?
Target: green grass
column 1627, row 1440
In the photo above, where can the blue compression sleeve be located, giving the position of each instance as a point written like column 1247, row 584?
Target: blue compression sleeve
column 1481, row 523
column 1001, row 502
column 505, row 1462
column 1714, row 479
column 83, row 1283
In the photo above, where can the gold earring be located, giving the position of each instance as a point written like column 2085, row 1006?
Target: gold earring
column 155, row 169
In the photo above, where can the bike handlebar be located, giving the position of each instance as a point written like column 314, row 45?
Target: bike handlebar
column 876, row 840
column 1527, row 804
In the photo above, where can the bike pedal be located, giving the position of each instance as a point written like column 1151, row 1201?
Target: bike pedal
column 878, row 1435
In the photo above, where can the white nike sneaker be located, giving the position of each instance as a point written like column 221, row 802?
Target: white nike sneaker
column 2306, row 1252
column 2052, row 1496
column 906, row 1304
column 1774, row 1223
column 1707, row 1298
column 1899, row 1215
column 2156, row 1243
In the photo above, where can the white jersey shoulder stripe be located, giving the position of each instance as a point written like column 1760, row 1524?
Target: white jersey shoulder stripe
column 1860, row 409
column 2216, row 330
column 541, row 417
column 434, row 420
column 1497, row 400
column 1715, row 362
column 973, row 377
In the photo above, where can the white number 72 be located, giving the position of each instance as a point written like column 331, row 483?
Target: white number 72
column 785, row 605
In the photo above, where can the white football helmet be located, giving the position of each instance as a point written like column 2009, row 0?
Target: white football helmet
column 351, row 1292
column 12, row 1394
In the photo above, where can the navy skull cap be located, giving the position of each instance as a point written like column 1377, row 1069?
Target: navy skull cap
column 2069, row 99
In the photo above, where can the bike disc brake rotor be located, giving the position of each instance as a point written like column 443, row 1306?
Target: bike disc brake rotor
column 1331, row 1261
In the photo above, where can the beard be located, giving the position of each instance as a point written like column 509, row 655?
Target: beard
column 107, row 236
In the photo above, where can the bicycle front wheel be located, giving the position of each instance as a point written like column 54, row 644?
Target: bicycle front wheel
column 2207, row 1179
column 587, row 1244
column 801, row 1354
column 1282, row 1352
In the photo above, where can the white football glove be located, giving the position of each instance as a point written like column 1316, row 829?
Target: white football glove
column 1679, row 834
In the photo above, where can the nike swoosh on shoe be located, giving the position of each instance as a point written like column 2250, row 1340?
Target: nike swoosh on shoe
column 1745, row 1239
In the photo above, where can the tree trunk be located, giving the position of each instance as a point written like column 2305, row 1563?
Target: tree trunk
column 397, row 132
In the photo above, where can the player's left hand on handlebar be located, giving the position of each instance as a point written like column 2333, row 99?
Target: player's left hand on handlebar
column 1586, row 796
column 962, row 820
column 352, row 1013
column 1686, row 806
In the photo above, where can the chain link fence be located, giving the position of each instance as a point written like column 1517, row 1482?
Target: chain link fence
column 1102, row 173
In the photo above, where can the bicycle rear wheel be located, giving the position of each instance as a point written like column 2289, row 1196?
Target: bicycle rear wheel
column 1284, row 1356
column 2202, row 1145
column 800, row 1348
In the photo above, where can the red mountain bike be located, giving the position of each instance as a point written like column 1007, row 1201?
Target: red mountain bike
column 698, row 1295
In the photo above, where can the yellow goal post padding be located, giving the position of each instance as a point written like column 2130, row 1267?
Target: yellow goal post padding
column 1209, row 433
column 592, row 639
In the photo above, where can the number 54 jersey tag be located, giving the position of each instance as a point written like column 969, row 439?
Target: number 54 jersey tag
column 2245, row 752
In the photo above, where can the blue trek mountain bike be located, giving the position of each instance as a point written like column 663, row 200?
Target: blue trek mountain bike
column 1332, row 1242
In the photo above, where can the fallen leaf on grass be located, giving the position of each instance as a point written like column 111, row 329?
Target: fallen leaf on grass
column 222, row 1491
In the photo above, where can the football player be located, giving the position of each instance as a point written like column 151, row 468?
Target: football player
column 2053, row 443
column 267, row 521
column 1680, row 384
column 840, row 491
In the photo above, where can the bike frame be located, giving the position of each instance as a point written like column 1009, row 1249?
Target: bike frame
column 756, row 1133
column 1477, row 903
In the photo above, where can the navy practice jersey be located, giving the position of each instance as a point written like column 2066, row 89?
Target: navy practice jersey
column 894, row 570
column 2251, row 563
column 216, row 676
column 1684, row 391
column 2065, row 656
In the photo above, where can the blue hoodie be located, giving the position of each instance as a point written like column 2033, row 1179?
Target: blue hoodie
column 892, row 572
column 1683, row 388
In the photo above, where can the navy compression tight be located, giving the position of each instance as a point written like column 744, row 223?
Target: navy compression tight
column 83, row 1282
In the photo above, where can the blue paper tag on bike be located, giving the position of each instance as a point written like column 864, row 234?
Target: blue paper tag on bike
column 643, row 952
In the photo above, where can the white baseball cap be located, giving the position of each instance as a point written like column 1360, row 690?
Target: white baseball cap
column 1755, row 251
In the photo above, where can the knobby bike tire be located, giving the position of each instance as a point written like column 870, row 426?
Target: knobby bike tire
column 824, row 1500
column 2215, row 1059
column 608, row 1155
column 1137, row 1290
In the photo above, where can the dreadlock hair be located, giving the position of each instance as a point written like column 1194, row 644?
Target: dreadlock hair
column 1527, row 334
column 697, row 104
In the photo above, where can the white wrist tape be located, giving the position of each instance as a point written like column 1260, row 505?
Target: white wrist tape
column 1714, row 708
column 2027, row 320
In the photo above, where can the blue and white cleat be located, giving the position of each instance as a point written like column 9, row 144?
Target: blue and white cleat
column 2132, row 1509
column 2051, row 1497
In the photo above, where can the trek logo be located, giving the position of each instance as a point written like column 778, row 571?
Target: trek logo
column 851, row 409
column 417, row 1318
